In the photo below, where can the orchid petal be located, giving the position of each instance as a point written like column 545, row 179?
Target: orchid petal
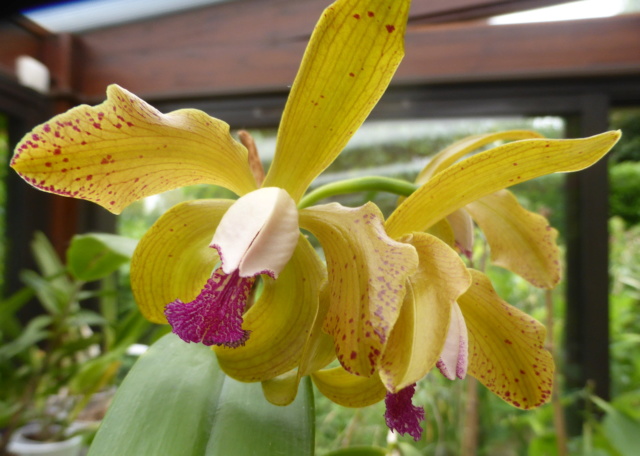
column 318, row 352
column 459, row 149
column 443, row 230
column 352, row 55
column 258, row 234
column 215, row 316
column 367, row 276
column 419, row 334
column 506, row 347
column 173, row 259
column 454, row 359
column 520, row 241
column 462, row 226
column 493, row 170
column 349, row 390
column 280, row 321
column 123, row 150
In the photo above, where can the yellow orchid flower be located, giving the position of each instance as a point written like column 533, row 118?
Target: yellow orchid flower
column 495, row 342
column 451, row 317
column 124, row 149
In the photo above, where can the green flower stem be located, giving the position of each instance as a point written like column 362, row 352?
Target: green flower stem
column 359, row 184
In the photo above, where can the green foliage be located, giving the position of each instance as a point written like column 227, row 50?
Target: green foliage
column 176, row 400
column 625, row 190
column 59, row 351
column 628, row 148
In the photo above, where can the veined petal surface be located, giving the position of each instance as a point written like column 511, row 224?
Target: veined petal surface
column 493, row 170
column 173, row 259
column 451, row 154
column 317, row 354
column 352, row 55
column 520, row 240
column 420, row 332
column 349, row 390
column 124, row 149
column 280, row 321
column 367, row 278
column 506, row 347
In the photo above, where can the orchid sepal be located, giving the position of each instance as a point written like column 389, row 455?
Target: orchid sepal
column 124, row 149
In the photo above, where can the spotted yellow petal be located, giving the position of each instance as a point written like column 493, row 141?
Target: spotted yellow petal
column 419, row 334
column 459, row 149
column 349, row 390
column 520, row 241
column 493, row 170
column 367, row 277
column 506, row 347
column 124, row 149
column 352, row 55
column 173, row 259
column 280, row 321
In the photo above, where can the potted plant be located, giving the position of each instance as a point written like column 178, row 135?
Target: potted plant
column 52, row 366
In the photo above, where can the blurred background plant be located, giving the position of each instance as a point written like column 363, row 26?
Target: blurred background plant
column 72, row 346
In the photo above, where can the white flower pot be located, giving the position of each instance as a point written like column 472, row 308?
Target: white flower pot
column 20, row 445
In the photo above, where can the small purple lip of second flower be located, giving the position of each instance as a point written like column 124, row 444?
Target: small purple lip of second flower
column 214, row 317
column 401, row 415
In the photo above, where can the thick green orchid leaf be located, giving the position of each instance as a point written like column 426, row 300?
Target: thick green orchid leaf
column 176, row 401
column 96, row 255
column 520, row 241
column 280, row 321
column 123, row 150
column 367, row 276
column 459, row 149
column 420, row 332
column 506, row 347
column 493, row 170
column 349, row 390
column 352, row 55
column 246, row 423
column 173, row 259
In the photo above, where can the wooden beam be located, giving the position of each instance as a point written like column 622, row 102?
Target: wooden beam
column 19, row 36
column 253, row 47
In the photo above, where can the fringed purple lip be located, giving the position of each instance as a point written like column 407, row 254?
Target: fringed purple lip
column 401, row 415
column 215, row 316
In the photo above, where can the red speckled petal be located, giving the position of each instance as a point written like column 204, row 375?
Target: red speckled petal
column 506, row 347
column 520, row 241
column 124, row 149
column 401, row 415
column 215, row 316
column 352, row 55
column 493, row 170
column 419, row 334
column 367, row 275
column 459, row 149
